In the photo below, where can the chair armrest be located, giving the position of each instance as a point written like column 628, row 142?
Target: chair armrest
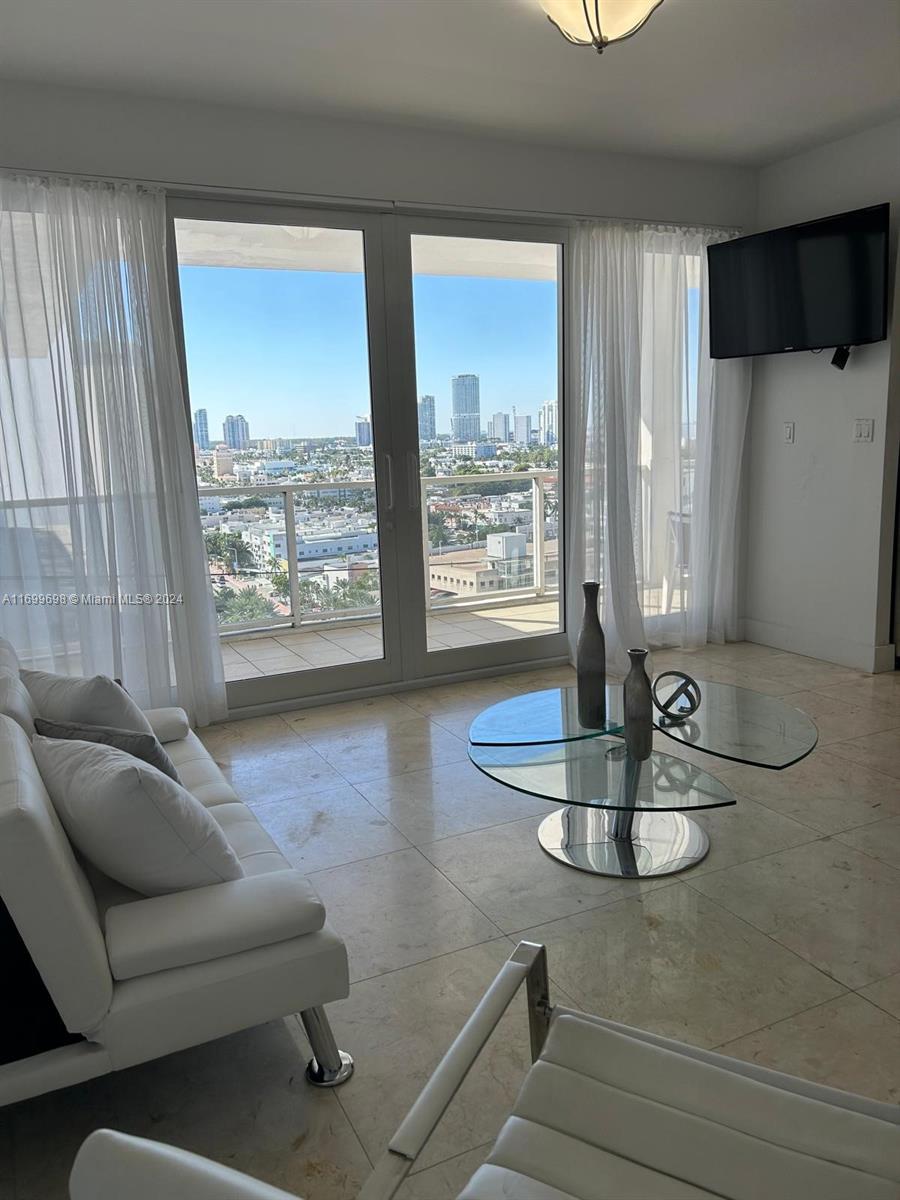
column 169, row 724
column 181, row 928
column 111, row 1165
column 527, row 964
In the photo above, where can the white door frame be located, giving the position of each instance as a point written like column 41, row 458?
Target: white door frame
column 392, row 373
column 296, row 685
column 420, row 663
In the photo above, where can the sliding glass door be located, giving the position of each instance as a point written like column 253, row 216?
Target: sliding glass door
column 375, row 405
column 487, row 328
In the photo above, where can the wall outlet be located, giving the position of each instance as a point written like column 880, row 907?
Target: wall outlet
column 863, row 430
column 789, row 432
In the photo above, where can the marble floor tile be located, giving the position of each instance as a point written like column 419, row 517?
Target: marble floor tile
column 677, row 964
column 505, row 872
column 268, row 761
column 749, row 676
column 328, row 828
column 244, row 1101
column 367, row 753
column 445, row 1180
column 846, row 1043
column 48, row 1130
column 825, row 791
column 256, row 734
column 562, row 675
column 458, row 721
column 396, row 910
column 880, row 839
column 805, row 674
column 399, row 1025
column 735, row 652
column 880, row 751
column 743, row 832
column 837, row 721
column 349, row 714
column 877, row 693
column 448, row 800
column 453, row 697
column 835, row 907
column 885, row 993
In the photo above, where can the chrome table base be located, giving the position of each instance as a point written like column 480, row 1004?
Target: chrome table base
column 625, row 843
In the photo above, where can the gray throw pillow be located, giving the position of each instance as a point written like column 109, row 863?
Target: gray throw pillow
column 94, row 701
column 145, row 746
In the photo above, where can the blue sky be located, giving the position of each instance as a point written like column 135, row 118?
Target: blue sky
column 288, row 348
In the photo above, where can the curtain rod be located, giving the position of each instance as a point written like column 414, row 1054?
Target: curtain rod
column 200, row 191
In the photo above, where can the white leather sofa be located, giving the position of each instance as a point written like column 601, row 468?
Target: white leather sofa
column 140, row 977
column 605, row 1113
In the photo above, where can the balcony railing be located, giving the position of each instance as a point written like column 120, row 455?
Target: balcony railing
column 255, row 593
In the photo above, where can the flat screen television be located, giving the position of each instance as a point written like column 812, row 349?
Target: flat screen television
column 804, row 287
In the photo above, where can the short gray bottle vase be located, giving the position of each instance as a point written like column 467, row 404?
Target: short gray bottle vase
column 638, row 708
column 590, row 663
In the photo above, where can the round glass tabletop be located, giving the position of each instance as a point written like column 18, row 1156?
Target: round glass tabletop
column 598, row 773
column 547, row 716
column 733, row 723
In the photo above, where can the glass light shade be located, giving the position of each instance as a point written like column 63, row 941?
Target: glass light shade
column 598, row 22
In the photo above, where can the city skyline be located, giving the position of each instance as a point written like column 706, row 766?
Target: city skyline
column 288, row 349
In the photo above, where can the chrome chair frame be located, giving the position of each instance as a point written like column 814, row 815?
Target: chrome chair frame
column 527, row 964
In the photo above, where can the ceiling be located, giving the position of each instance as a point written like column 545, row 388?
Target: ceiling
column 740, row 81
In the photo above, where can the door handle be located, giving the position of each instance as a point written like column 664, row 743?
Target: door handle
column 415, row 488
column 389, row 480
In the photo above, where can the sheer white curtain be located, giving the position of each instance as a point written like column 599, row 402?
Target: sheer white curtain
column 102, row 564
column 656, row 434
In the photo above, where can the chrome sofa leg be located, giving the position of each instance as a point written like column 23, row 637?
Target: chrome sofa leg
column 329, row 1067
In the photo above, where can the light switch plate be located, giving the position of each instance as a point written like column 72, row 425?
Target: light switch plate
column 789, row 432
column 863, row 429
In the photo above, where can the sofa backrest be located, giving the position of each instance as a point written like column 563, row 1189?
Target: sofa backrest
column 46, row 891
column 15, row 699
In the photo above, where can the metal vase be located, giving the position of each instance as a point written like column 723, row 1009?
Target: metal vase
column 590, row 663
column 638, row 708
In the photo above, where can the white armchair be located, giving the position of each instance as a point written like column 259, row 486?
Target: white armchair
column 605, row 1113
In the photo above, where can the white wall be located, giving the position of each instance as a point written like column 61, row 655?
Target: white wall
column 820, row 513
column 56, row 129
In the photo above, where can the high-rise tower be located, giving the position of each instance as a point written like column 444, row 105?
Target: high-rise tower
column 427, row 423
column 237, row 432
column 465, row 421
column 201, row 429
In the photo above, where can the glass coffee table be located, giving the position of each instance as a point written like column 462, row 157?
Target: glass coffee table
column 626, row 818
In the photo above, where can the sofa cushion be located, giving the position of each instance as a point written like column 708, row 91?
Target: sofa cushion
column 98, row 700
column 199, row 773
column 9, row 660
column 169, row 724
column 134, row 823
column 255, row 849
column 162, row 932
column 606, row 1116
column 16, row 702
column 144, row 746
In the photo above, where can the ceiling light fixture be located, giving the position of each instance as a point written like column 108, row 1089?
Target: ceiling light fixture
column 598, row 22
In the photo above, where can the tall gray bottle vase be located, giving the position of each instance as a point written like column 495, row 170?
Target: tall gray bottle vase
column 590, row 663
column 638, row 708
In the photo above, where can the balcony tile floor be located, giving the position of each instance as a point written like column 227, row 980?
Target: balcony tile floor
column 250, row 656
column 779, row 948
